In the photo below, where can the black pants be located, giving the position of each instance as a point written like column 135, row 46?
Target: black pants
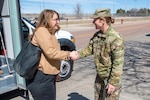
column 43, row 86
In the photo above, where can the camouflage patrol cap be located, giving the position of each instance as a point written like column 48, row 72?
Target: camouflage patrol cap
column 102, row 13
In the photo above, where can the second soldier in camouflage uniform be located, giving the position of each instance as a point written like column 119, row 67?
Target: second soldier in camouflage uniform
column 107, row 46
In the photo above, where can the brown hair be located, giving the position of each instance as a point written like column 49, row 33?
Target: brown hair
column 44, row 20
column 109, row 20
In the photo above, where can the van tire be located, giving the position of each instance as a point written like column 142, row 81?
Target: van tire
column 66, row 69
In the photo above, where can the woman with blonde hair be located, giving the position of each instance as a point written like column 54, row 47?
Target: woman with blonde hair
column 43, row 86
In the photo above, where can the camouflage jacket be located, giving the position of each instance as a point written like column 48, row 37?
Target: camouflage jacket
column 108, row 51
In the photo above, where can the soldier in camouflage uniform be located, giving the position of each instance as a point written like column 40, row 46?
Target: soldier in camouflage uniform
column 107, row 46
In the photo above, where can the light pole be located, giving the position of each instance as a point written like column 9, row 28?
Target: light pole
column 147, row 8
column 113, row 7
column 135, row 7
column 43, row 4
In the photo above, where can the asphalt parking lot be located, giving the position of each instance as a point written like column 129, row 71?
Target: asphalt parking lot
column 136, row 72
column 80, row 85
column 135, row 78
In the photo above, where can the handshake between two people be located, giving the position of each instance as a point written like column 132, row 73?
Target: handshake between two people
column 74, row 55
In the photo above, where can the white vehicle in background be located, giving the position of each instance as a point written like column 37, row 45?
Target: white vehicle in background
column 66, row 41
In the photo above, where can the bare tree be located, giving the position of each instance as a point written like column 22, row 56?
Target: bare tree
column 78, row 11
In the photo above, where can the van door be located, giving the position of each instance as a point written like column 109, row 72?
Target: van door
column 11, row 17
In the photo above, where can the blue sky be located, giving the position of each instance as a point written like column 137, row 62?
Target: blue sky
column 87, row 6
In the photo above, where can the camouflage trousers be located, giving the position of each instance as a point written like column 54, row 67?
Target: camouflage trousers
column 101, row 92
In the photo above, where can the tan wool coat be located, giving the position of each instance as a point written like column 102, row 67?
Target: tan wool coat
column 51, row 53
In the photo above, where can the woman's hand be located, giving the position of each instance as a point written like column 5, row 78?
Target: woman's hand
column 57, row 78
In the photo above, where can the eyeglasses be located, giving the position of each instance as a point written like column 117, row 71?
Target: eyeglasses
column 56, row 19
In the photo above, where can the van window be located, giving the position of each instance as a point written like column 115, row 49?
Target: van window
column 1, row 39
column 25, row 30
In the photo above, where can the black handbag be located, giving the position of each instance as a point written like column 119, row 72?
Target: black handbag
column 27, row 60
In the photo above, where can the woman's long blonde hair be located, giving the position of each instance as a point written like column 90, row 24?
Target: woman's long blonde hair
column 44, row 20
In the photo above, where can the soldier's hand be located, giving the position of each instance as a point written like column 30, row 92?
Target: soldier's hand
column 74, row 55
column 110, row 88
